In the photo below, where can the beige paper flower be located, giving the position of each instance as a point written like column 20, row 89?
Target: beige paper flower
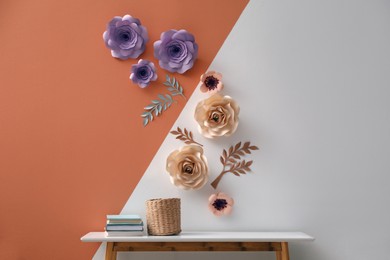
column 217, row 116
column 188, row 167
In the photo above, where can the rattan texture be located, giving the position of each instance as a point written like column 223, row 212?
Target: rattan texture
column 163, row 216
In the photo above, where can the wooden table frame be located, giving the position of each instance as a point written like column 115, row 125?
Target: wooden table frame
column 280, row 248
column 212, row 241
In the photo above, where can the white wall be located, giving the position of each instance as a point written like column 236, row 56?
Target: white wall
column 313, row 82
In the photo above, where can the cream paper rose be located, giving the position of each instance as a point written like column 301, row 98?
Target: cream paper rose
column 188, row 168
column 217, row 116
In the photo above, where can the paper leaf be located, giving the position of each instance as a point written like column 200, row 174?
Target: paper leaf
column 185, row 136
column 222, row 160
column 174, row 86
column 230, row 160
column 156, row 107
column 146, row 121
column 148, row 107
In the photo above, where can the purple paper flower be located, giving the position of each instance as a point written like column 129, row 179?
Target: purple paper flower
column 176, row 51
column 143, row 72
column 126, row 37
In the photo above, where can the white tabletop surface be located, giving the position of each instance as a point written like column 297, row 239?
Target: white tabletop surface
column 205, row 237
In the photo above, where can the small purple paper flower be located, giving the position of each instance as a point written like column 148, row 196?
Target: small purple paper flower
column 126, row 37
column 143, row 72
column 176, row 51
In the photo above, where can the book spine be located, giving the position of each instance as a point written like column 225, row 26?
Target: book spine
column 125, row 224
column 124, row 233
column 124, row 217
column 124, row 228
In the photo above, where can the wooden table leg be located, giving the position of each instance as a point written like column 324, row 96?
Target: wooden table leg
column 283, row 253
column 110, row 254
column 278, row 255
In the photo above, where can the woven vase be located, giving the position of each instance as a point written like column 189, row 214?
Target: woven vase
column 163, row 216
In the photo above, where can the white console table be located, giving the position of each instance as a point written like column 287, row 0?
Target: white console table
column 201, row 241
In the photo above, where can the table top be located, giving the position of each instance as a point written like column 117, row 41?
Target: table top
column 204, row 237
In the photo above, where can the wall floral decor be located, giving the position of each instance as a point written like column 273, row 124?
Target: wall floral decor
column 188, row 168
column 126, row 37
column 176, row 51
column 217, row 116
column 232, row 162
column 163, row 102
column 185, row 136
column 211, row 82
column 174, row 86
column 143, row 73
column 220, row 204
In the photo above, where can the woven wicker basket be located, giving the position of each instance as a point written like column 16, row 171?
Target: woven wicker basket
column 163, row 216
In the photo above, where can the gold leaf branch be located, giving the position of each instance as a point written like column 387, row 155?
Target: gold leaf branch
column 231, row 161
column 185, row 136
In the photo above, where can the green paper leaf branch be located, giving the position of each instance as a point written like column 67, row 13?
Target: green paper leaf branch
column 174, row 86
column 231, row 161
column 156, row 107
column 185, row 136
column 164, row 101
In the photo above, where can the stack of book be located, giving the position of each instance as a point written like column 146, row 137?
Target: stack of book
column 124, row 225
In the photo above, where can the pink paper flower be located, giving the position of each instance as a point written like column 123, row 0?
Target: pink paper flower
column 211, row 82
column 220, row 204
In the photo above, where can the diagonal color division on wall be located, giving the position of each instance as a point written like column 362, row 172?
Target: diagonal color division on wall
column 72, row 144
column 313, row 93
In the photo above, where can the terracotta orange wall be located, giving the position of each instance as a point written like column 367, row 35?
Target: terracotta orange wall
column 72, row 144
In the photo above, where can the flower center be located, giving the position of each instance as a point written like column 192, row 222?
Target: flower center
column 211, row 82
column 216, row 116
column 125, row 37
column 143, row 72
column 220, row 204
column 188, row 168
column 174, row 50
